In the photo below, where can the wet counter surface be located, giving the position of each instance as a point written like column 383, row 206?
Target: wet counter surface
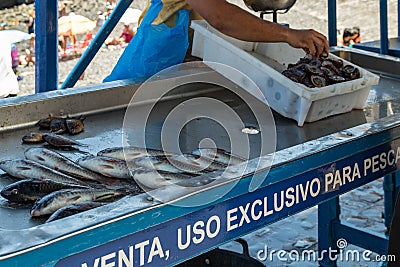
column 103, row 129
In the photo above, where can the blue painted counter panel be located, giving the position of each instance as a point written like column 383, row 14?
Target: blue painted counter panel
column 181, row 238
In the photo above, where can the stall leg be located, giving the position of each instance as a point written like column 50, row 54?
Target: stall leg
column 328, row 216
column 332, row 23
column 46, row 41
column 391, row 186
column 388, row 189
column 384, row 27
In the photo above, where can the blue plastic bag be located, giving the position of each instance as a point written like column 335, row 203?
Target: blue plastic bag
column 154, row 47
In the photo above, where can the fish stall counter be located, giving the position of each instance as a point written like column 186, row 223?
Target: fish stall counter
column 162, row 227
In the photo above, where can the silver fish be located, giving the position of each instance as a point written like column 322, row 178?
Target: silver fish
column 110, row 167
column 162, row 163
column 219, row 155
column 60, row 163
column 184, row 161
column 73, row 209
column 27, row 169
column 31, row 190
column 56, row 200
column 152, row 179
column 130, row 152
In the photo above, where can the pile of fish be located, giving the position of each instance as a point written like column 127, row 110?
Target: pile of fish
column 320, row 72
column 60, row 187
column 52, row 126
column 153, row 169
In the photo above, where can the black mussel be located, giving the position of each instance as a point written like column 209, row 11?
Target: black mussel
column 315, row 62
column 301, row 74
column 289, row 74
column 327, row 72
column 314, row 70
column 307, row 82
column 351, row 72
column 338, row 63
column 329, row 65
column 348, row 69
column 295, row 75
column 336, row 79
column 306, row 59
column 301, row 66
column 318, row 81
column 58, row 126
column 355, row 74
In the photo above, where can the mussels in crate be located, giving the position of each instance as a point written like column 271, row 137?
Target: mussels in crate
column 320, row 72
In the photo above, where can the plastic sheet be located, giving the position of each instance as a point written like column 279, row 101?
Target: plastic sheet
column 154, row 47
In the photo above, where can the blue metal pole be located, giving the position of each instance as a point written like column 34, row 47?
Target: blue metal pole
column 328, row 217
column 96, row 43
column 332, row 23
column 46, row 46
column 389, row 198
column 384, row 27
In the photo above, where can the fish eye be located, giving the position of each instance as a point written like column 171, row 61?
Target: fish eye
column 14, row 191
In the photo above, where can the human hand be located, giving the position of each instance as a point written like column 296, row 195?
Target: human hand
column 310, row 41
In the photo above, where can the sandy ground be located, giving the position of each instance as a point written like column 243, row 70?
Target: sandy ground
column 361, row 207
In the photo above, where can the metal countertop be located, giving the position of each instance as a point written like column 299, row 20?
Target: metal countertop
column 104, row 126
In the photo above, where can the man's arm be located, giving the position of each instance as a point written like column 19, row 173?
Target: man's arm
column 236, row 22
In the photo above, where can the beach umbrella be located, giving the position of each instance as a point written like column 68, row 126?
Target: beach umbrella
column 14, row 36
column 75, row 24
column 131, row 16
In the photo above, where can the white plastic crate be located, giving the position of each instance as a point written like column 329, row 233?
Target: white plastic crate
column 264, row 62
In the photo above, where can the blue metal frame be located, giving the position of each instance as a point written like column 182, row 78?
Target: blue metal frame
column 328, row 216
column 383, row 45
column 46, row 46
column 332, row 23
column 384, row 27
column 46, row 25
column 96, row 44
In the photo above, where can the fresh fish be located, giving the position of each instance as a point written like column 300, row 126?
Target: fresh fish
column 33, row 137
column 186, row 160
column 56, row 200
column 60, row 141
column 75, row 126
column 152, row 179
column 58, row 126
column 73, row 209
column 219, row 155
column 27, row 169
column 131, row 152
column 31, row 190
column 58, row 162
column 109, row 167
column 161, row 163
